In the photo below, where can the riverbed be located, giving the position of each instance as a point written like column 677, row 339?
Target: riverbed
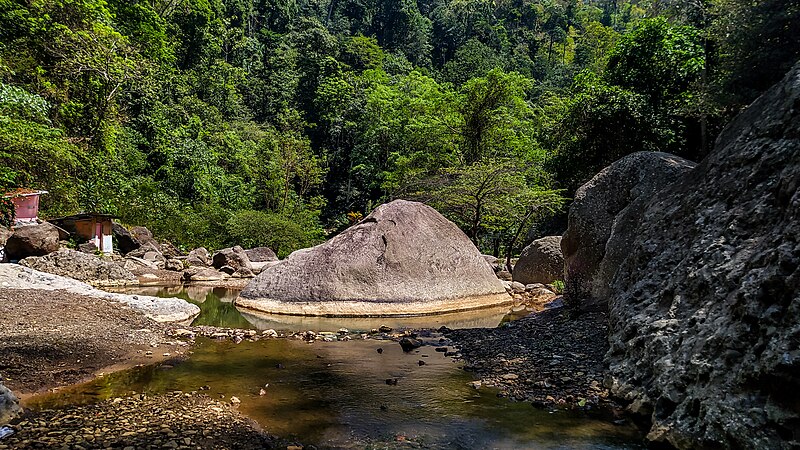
column 349, row 394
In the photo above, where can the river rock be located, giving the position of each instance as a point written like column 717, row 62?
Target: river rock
column 620, row 188
column 261, row 254
column 705, row 309
column 404, row 258
column 143, row 235
column 234, row 257
column 175, row 265
column 540, row 262
column 196, row 273
column 81, row 266
column 9, row 405
column 32, row 240
column 199, row 257
column 125, row 242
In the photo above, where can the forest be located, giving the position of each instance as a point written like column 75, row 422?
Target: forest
column 281, row 122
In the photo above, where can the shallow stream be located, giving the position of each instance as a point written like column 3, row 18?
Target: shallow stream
column 336, row 393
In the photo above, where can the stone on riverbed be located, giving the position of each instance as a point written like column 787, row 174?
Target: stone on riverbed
column 13, row 276
column 9, row 405
column 403, row 259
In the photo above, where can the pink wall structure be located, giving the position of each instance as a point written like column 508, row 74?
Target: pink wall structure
column 26, row 204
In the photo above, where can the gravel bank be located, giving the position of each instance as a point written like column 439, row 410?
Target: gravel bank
column 177, row 420
column 549, row 359
column 55, row 338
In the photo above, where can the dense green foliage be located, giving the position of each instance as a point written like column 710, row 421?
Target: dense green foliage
column 218, row 122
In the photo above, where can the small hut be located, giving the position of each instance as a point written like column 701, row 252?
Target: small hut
column 26, row 205
column 94, row 227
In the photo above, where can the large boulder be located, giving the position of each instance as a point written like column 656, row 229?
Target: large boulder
column 705, row 309
column 261, row 254
column 81, row 266
column 143, row 235
column 9, row 405
column 125, row 240
column 32, row 240
column 199, row 257
column 234, row 257
column 620, row 188
column 404, row 258
column 540, row 262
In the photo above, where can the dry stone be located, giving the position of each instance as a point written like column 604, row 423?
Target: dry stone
column 81, row 266
column 705, row 307
column 404, row 258
column 540, row 262
column 32, row 240
column 234, row 257
column 261, row 254
column 589, row 242
column 9, row 405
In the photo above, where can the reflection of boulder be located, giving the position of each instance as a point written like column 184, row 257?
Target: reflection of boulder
column 81, row 266
column 32, row 240
column 621, row 188
column 404, row 258
column 540, row 262
column 704, row 309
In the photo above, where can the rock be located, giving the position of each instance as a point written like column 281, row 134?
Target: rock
column 243, row 272
column 9, row 405
column 540, row 262
column 143, row 235
column 259, row 267
column 261, row 254
column 169, row 250
column 80, row 266
column 15, row 276
column 32, row 240
column 174, row 265
column 88, row 247
column 145, row 248
column 619, row 189
column 125, row 242
column 505, row 275
column 375, row 268
column 409, row 344
column 705, row 307
column 517, row 287
column 5, row 233
column 133, row 264
column 199, row 257
column 203, row 274
column 234, row 257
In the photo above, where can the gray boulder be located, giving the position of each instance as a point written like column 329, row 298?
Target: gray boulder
column 32, row 240
column 620, row 189
column 195, row 274
column 261, row 254
column 124, row 239
column 540, row 262
column 143, row 235
column 9, row 405
column 705, row 308
column 404, row 258
column 199, row 257
column 234, row 257
column 81, row 266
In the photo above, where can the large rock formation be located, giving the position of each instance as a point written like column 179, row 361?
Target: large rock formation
column 540, row 262
column 705, row 309
column 234, row 257
column 32, row 240
column 591, row 240
column 124, row 239
column 261, row 254
column 81, row 266
column 403, row 259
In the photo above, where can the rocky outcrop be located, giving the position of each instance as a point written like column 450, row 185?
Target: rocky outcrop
column 591, row 240
column 125, row 242
column 81, row 266
column 199, row 257
column 32, row 240
column 404, row 258
column 261, row 254
column 705, row 308
column 9, row 405
column 15, row 276
column 234, row 257
column 196, row 273
column 540, row 262
column 143, row 235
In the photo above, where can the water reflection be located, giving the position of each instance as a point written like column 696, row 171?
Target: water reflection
column 335, row 394
column 217, row 309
